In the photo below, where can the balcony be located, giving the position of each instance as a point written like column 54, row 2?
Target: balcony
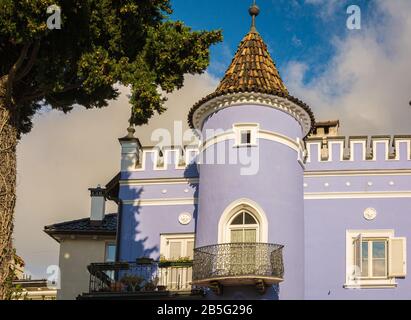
column 142, row 279
column 234, row 264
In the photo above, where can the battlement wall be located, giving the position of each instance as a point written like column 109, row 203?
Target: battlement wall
column 323, row 154
column 359, row 153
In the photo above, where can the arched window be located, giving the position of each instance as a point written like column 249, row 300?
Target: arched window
column 243, row 227
column 243, row 221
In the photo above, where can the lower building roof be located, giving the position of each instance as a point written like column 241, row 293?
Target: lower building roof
column 84, row 227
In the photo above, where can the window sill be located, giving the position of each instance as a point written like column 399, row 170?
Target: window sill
column 371, row 285
column 245, row 146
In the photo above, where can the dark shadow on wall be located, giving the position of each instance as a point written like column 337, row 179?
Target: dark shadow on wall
column 132, row 246
column 191, row 172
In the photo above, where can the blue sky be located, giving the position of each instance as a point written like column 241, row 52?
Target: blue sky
column 294, row 30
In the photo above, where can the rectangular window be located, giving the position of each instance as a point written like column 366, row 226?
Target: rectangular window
column 246, row 134
column 374, row 258
column 110, row 255
column 176, row 246
column 245, row 137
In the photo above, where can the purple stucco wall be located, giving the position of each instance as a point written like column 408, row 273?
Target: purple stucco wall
column 277, row 187
column 142, row 226
column 313, row 230
column 267, row 117
column 326, row 223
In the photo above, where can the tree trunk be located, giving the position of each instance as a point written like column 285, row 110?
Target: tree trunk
column 8, row 144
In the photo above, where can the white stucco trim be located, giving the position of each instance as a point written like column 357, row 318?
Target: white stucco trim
column 233, row 208
column 372, row 283
column 356, row 195
column 397, row 143
column 363, row 144
column 311, row 155
column 238, row 128
column 183, row 238
column 385, row 142
column 164, row 181
column 161, row 202
column 267, row 100
column 295, row 145
column 337, row 173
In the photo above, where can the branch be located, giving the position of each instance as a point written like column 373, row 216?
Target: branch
column 14, row 69
column 30, row 63
column 48, row 90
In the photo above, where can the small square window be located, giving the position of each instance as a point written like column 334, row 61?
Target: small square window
column 246, row 137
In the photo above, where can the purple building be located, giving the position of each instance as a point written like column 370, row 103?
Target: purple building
column 270, row 205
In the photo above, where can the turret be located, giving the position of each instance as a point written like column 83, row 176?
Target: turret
column 250, row 224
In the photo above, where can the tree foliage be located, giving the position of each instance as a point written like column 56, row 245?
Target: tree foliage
column 100, row 43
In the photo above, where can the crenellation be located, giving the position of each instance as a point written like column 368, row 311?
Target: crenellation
column 324, row 151
column 380, row 148
column 166, row 158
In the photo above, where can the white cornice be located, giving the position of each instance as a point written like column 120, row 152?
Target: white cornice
column 267, row 100
column 356, row 195
column 261, row 134
column 161, row 202
column 359, row 173
column 165, row 181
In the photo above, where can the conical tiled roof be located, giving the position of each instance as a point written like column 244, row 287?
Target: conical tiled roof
column 252, row 68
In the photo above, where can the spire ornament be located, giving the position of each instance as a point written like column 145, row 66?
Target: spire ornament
column 254, row 11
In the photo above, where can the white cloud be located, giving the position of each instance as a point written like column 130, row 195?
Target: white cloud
column 328, row 7
column 64, row 155
column 367, row 83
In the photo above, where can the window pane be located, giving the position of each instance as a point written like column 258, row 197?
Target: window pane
column 237, row 236
column 379, row 258
column 378, row 268
column 378, row 249
column 110, row 253
column 250, row 235
column 245, row 137
column 249, row 219
column 239, row 219
column 365, row 249
column 364, row 272
column 175, row 249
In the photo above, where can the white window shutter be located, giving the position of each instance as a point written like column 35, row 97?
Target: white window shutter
column 190, row 249
column 397, row 257
column 175, row 249
column 358, row 255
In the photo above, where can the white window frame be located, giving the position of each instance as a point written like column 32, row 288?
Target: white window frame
column 235, row 207
column 106, row 245
column 231, row 227
column 239, row 128
column 165, row 240
column 353, row 277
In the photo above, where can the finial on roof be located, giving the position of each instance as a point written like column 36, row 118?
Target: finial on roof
column 254, row 12
column 130, row 134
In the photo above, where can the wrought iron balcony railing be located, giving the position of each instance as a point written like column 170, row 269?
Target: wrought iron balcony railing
column 238, row 263
column 140, row 276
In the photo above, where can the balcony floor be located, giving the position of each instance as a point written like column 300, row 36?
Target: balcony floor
column 238, row 280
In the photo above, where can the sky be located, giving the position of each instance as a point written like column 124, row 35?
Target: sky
column 362, row 77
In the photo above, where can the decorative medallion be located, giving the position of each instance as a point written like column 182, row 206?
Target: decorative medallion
column 370, row 214
column 184, row 218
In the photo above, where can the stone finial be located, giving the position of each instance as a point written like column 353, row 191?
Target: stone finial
column 130, row 134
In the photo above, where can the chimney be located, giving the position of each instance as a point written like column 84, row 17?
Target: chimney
column 130, row 148
column 98, row 205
